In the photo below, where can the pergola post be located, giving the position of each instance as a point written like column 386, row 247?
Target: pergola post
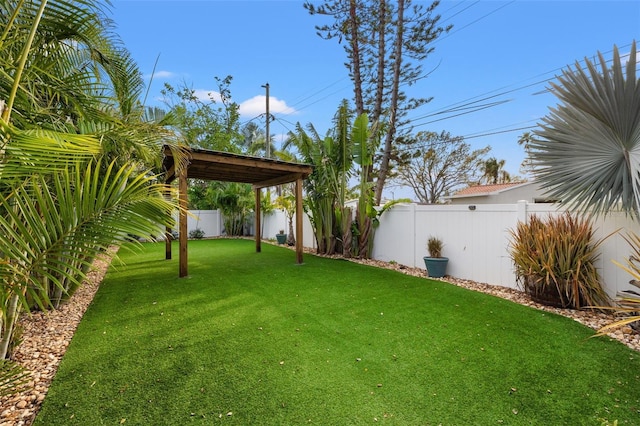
column 167, row 243
column 299, row 212
column 168, row 235
column 182, row 194
column 258, row 231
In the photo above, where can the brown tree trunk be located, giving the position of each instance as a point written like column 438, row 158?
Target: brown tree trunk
column 395, row 87
column 347, row 235
column 355, row 48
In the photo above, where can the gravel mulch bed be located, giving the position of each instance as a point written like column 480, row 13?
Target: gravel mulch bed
column 46, row 335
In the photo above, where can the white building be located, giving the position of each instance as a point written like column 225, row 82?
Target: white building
column 502, row 193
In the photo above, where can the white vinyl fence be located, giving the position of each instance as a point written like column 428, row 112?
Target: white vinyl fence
column 476, row 241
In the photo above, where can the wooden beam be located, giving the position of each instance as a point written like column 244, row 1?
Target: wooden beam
column 257, row 221
column 171, row 174
column 278, row 180
column 182, row 194
column 299, row 216
column 248, row 162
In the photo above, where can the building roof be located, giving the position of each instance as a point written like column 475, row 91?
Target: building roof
column 483, row 190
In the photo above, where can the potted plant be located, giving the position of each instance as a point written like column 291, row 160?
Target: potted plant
column 435, row 263
column 281, row 237
column 287, row 203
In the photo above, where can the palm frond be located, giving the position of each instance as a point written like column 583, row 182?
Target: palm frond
column 587, row 152
column 33, row 151
column 51, row 232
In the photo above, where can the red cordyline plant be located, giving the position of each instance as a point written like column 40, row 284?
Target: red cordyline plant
column 555, row 261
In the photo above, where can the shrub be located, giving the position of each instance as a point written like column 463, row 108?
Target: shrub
column 196, row 234
column 434, row 246
column 555, row 261
column 628, row 301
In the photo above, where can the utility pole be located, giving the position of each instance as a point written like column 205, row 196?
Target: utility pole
column 268, row 138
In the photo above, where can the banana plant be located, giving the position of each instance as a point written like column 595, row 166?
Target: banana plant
column 365, row 141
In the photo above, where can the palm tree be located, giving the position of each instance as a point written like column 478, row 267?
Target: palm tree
column 525, row 140
column 254, row 141
column 587, row 151
column 70, row 92
column 493, row 171
column 235, row 201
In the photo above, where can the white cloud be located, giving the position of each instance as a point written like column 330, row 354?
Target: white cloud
column 163, row 74
column 257, row 105
column 207, row 95
column 160, row 75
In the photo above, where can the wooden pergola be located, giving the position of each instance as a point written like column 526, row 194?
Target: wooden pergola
column 227, row 167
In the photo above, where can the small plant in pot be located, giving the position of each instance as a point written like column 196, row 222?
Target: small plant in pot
column 281, row 237
column 287, row 203
column 435, row 263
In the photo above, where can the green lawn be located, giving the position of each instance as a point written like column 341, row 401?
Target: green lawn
column 254, row 339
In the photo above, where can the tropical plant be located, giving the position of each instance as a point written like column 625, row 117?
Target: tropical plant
column 587, row 152
column 628, row 301
column 434, row 246
column 76, row 102
column 267, row 207
column 254, row 141
column 212, row 123
column 235, row 201
column 287, row 203
column 555, row 261
column 12, row 377
column 525, row 140
column 326, row 187
column 493, row 172
column 196, row 234
column 365, row 143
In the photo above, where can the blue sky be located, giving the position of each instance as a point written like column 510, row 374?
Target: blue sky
column 500, row 52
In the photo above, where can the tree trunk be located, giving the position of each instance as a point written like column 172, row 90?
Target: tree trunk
column 11, row 316
column 291, row 239
column 355, row 51
column 395, row 88
column 363, row 238
column 347, row 236
column 382, row 26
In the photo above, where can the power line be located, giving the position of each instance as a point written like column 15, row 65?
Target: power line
column 473, row 22
column 467, row 103
column 480, row 135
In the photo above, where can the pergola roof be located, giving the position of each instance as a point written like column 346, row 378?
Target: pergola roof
column 228, row 167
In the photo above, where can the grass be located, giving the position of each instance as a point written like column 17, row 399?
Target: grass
column 253, row 338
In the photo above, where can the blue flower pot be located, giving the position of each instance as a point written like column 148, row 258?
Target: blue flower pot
column 436, row 266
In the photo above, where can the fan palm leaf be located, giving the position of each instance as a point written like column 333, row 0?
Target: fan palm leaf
column 587, row 152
